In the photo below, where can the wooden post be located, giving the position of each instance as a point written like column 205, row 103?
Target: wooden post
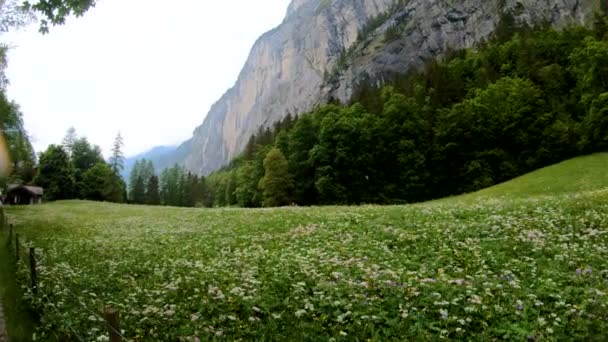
column 113, row 322
column 10, row 235
column 17, row 246
column 34, row 276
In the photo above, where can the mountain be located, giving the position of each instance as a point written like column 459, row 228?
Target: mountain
column 161, row 156
column 324, row 48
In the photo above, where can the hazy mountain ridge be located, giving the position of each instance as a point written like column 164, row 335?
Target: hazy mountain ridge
column 288, row 67
column 161, row 156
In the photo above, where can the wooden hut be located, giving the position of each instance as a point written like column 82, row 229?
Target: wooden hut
column 23, row 195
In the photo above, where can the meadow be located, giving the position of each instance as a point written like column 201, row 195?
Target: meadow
column 525, row 260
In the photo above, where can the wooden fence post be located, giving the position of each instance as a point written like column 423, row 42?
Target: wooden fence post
column 113, row 321
column 34, row 275
column 17, row 246
column 10, row 235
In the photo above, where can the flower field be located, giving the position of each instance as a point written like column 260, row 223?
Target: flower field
column 474, row 268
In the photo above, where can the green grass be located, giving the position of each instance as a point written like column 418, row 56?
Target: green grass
column 19, row 319
column 494, row 265
column 588, row 173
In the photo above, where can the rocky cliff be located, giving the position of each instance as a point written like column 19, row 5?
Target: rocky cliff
column 295, row 66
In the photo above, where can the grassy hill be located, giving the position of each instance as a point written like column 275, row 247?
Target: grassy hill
column 589, row 173
column 523, row 260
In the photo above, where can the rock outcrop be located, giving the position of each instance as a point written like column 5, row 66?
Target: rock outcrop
column 427, row 29
column 288, row 67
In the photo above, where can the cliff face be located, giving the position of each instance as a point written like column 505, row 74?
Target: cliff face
column 288, row 67
column 427, row 29
column 283, row 75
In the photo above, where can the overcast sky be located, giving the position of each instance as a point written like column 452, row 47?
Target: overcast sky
column 147, row 68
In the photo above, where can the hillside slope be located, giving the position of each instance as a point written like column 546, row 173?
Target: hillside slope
column 294, row 67
column 588, row 173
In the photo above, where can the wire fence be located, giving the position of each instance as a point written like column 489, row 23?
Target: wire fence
column 25, row 256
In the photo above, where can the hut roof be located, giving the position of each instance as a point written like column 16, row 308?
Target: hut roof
column 34, row 190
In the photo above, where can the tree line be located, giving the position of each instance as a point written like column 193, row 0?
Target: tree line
column 474, row 119
column 175, row 187
column 76, row 169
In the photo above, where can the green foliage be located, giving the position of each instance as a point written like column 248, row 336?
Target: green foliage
column 302, row 139
column 102, row 184
column 117, row 160
column 277, row 183
column 86, row 176
column 577, row 175
column 595, row 126
column 248, row 177
column 84, row 156
column 590, row 66
column 152, row 191
column 19, row 319
column 55, row 174
column 181, row 188
column 142, row 172
column 55, row 12
column 472, row 120
column 138, row 191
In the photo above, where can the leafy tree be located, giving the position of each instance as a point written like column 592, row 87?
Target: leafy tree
column 302, row 140
column 55, row 12
column 14, row 15
column 231, row 187
column 247, row 188
column 595, row 126
column 343, row 157
column 488, row 138
column 84, row 157
column 402, row 143
column 277, row 183
column 590, row 65
column 101, row 184
column 55, row 174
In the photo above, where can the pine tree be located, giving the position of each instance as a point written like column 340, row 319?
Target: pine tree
column 152, row 191
column 138, row 194
column 277, row 184
column 69, row 140
column 117, row 160
column 135, row 174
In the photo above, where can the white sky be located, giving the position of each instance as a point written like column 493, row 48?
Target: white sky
column 147, row 68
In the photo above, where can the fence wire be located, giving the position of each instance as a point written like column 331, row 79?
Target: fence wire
column 83, row 305
column 24, row 258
